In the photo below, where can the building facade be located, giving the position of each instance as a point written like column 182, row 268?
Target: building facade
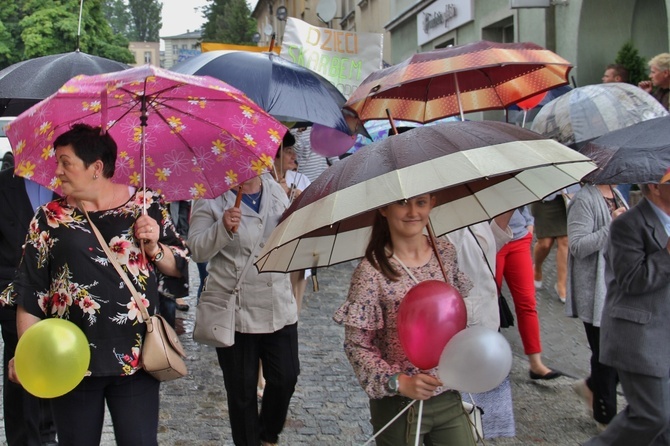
column 145, row 53
column 588, row 33
column 180, row 47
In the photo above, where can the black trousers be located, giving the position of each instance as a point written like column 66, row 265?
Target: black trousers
column 278, row 352
column 132, row 402
column 603, row 379
column 28, row 420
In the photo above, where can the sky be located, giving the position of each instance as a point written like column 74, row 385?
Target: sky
column 180, row 16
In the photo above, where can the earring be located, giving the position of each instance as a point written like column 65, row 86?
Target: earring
column 95, row 176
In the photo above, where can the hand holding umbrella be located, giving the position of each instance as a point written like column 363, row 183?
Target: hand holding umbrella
column 232, row 216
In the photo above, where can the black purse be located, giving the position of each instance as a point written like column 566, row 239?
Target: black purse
column 506, row 314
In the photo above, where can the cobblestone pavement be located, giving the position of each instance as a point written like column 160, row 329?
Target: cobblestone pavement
column 330, row 408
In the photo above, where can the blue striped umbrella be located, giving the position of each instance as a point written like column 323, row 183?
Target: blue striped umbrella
column 589, row 112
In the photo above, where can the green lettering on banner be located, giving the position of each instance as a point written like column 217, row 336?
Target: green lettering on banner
column 335, row 69
column 357, row 66
column 324, row 63
column 312, row 60
column 291, row 52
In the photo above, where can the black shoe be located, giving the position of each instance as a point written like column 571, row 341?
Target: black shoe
column 552, row 374
column 182, row 307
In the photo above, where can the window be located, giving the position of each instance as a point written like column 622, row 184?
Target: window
column 175, row 49
column 147, row 57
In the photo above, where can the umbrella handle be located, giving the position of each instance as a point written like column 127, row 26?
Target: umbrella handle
column 433, row 242
column 388, row 113
column 238, row 200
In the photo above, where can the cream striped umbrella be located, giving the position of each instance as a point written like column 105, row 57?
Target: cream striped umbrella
column 477, row 170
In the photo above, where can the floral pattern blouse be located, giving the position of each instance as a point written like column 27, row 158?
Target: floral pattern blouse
column 65, row 273
column 371, row 335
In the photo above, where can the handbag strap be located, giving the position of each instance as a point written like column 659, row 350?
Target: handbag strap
column 117, row 267
column 481, row 248
column 405, row 268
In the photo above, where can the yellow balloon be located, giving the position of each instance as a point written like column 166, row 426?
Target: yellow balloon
column 52, row 357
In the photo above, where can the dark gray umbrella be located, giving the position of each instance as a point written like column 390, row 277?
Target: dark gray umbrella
column 286, row 90
column 637, row 154
column 25, row 83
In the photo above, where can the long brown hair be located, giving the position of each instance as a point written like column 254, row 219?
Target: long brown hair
column 376, row 252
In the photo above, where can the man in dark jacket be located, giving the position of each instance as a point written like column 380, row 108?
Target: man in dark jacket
column 28, row 420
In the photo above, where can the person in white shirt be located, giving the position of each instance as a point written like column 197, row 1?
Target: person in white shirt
column 293, row 182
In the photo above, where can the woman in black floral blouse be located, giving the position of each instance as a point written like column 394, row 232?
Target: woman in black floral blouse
column 65, row 273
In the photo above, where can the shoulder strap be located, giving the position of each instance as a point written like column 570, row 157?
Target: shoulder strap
column 481, row 248
column 244, row 272
column 117, row 267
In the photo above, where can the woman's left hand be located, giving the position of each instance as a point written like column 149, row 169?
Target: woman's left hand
column 147, row 229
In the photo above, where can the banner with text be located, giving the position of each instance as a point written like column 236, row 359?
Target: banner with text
column 345, row 58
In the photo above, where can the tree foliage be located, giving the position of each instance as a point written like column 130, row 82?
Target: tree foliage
column 137, row 20
column 229, row 21
column 118, row 16
column 34, row 28
column 629, row 57
column 146, row 20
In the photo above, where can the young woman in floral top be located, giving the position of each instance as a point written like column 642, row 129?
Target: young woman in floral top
column 371, row 343
column 65, row 273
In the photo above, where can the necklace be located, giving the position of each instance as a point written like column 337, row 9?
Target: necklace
column 254, row 197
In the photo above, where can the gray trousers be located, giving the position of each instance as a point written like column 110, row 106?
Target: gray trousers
column 646, row 419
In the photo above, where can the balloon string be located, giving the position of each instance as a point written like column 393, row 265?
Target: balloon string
column 389, row 423
column 418, row 424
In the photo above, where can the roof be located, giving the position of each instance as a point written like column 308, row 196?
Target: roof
column 188, row 35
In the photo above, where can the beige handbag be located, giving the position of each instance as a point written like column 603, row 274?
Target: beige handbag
column 162, row 353
column 215, row 319
column 475, row 417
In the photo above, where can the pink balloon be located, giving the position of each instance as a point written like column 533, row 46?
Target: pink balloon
column 531, row 102
column 329, row 142
column 431, row 313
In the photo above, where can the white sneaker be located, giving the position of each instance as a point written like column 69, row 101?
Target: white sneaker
column 538, row 284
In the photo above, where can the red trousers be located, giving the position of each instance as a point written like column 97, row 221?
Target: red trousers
column 515, row 264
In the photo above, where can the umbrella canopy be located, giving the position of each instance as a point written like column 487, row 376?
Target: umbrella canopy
column 636, row 154
column 588, row 112
column 378, row 129
column 286, row 90
column 476, row 170
column 184, row 136
column 25, row 83
column 450, row 81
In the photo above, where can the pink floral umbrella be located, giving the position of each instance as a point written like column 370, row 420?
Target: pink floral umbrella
column 184, row 136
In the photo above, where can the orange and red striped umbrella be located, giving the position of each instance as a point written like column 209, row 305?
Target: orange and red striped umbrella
column 450, row 81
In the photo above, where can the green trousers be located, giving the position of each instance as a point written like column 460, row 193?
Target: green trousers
column 443, row 422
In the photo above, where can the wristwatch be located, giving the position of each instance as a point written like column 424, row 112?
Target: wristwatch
column 159, row 255
column 393, row 383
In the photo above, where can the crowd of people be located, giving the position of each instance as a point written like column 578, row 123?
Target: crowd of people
column 613, row 266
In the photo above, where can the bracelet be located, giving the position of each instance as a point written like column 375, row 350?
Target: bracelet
column 159, row 255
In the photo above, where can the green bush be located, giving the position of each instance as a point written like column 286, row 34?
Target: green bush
column 634, row 63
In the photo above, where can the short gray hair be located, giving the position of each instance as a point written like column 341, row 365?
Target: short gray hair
column 661, row 61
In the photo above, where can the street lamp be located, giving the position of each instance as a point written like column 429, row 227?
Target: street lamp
column 282, row 14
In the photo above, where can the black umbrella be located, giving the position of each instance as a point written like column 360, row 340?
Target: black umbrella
column 286, row 90
column 25, row 83
column 636, row 154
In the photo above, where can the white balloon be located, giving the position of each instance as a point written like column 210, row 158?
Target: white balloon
column 475, row 360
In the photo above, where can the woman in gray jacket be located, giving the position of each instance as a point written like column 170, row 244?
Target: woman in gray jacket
column 229, row 238
column 589, row 216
